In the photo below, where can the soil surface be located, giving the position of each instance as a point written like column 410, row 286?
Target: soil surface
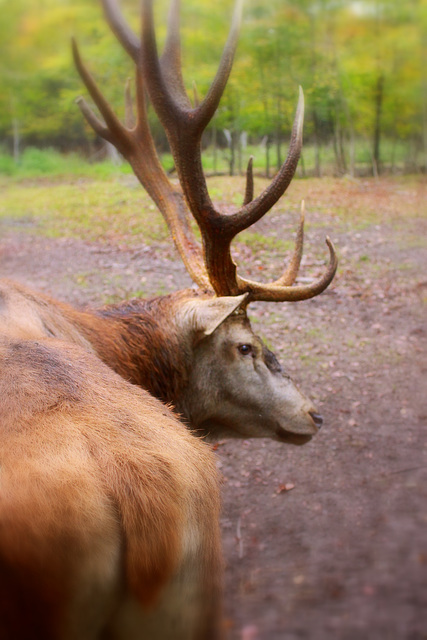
column 328, row 540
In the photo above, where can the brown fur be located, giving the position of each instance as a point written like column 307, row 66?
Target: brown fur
column 138, row 339
column 141, row 341
column 105, row 499
column 184, row 349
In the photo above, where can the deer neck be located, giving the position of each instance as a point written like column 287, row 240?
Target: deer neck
column 140, row 341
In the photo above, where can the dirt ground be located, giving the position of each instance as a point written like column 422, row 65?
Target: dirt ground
column 328, row 540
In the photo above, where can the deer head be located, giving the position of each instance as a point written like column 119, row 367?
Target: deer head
column 236, row 385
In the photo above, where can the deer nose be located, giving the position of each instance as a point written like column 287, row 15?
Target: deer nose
column 317, row 418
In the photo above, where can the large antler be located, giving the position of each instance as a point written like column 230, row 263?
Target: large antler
column 135, row 143
column 184, row 126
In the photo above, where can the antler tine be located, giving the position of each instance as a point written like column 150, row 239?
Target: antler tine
column 114, row 131
column 249, row 190
column 276, row 292
column 290, row 274
column 219, row 263
column 184, row 127
column 254, row 211
column 97, row 125
column 129, row 114
column 209, row 105
column 169, row 84
column 137, row 146
column 160, row 84
column 118, row 25
column 148, row 170
column 170, row 60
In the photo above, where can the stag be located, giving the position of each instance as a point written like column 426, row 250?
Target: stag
column 194, row 349
column 109, row 506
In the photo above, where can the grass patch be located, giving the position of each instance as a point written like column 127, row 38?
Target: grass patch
column 119, row 211
column 116, row 298
column 34, row 162
column 39, row 163
column 92, row 210
column 258, row 242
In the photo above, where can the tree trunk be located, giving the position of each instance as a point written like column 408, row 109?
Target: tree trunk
column 278, row 151
column 393, row 153
column 278, row 132
column 316, row 137
column 214, row 149
column 424, row 103
column 232, row 153
column 339, row 148
column 424, row 167
column 301, row 165
column 267, row 156
column 351, row 150
column 351, row 144
column 379, row 95
column 16, row 140
column 229, row 136
column 243, row 145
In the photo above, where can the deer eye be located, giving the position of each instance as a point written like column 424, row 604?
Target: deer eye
column 245, row 349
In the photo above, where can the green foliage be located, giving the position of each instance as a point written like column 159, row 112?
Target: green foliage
column 337, row 50
column 7, row 165
column 35, row 163
column 38, row 163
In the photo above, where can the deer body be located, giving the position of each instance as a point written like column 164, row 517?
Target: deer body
column 185, row 349
column 109, row 507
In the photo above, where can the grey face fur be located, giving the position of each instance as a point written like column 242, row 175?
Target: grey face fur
column 237, row 388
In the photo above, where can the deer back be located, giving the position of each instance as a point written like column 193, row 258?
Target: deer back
column 28, row 314
column 107, row 504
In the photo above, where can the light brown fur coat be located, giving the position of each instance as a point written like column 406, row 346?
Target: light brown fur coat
column 109, row 507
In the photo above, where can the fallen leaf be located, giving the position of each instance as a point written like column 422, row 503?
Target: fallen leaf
column 285, row 487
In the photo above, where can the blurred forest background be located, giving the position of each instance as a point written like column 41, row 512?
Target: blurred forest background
column 362, row 65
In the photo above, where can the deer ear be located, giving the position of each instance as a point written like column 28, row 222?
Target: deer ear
column 205, row 315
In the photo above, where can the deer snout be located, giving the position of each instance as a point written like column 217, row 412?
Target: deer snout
column 317, row 418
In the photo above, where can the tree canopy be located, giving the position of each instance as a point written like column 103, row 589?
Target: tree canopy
column 361, row 64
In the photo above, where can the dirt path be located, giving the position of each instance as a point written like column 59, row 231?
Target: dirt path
column 328, row 540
